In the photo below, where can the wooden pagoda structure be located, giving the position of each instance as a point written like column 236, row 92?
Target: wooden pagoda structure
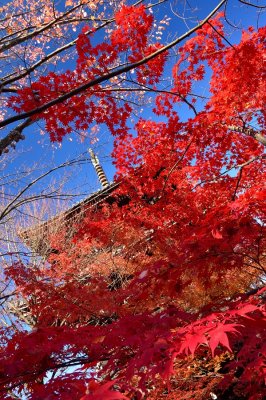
column 37, row 237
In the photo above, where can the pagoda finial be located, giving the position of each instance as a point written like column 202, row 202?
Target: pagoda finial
column 99, row 170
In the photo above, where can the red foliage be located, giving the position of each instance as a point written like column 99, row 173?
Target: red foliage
column 148, row 298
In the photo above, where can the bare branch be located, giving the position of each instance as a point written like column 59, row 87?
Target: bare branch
column 13, row 204
column 36, row 32
column 251, row 4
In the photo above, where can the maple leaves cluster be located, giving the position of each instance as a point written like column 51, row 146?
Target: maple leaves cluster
column 139, row 343
column 148, row 297
column 94, row 61
column 44, row 30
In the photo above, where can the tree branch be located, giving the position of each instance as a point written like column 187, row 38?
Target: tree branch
column 14, row 136
column 110, row 75
column 249, row 132
column 36, row 32
column 251, row 4
column 13, row 205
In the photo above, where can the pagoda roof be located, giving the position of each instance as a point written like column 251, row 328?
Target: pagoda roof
column 37, row 237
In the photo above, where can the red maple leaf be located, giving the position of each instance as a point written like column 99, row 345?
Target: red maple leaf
column 219, row 335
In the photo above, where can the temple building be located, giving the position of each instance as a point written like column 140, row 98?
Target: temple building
column 37, row 237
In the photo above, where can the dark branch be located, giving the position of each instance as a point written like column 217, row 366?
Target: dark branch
column 251, row 4
column 14, row 136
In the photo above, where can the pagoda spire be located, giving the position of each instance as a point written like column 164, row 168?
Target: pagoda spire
column 99, row 170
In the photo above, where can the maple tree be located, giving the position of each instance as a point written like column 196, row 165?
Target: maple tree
column 150, row 295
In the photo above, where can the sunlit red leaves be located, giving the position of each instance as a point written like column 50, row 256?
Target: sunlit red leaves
column 243, row 93
column 151, row 72
column 232, row 102
column 133, row 26
column 208, row 46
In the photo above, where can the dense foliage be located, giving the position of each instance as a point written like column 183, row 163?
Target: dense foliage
column 158, row 292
